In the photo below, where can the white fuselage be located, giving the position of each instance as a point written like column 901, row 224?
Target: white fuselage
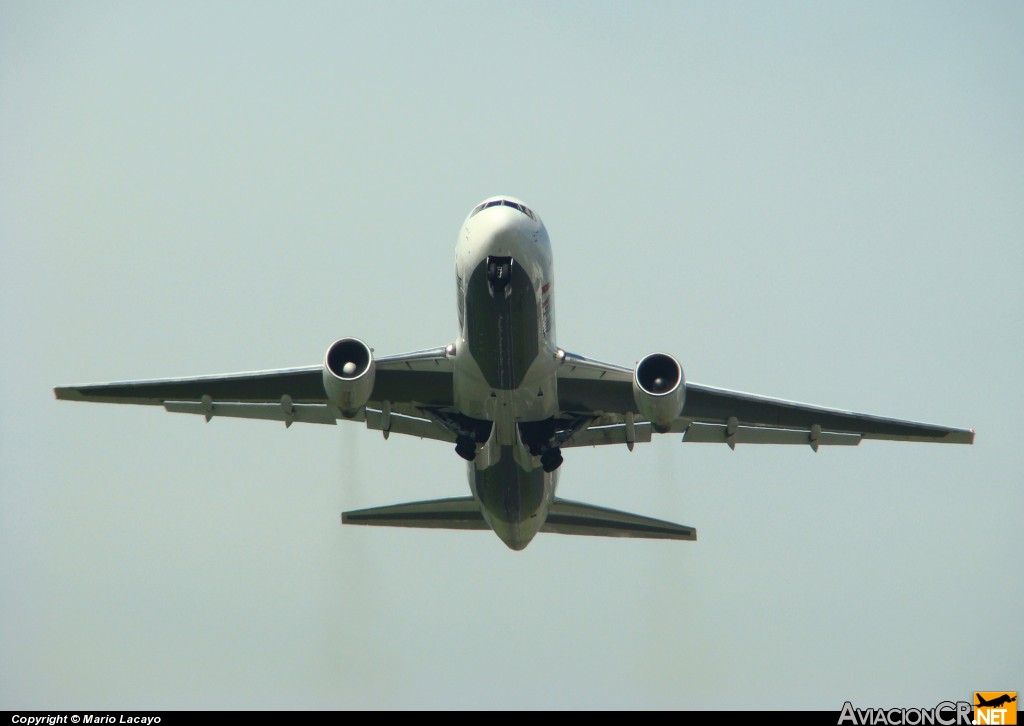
column 505, row 365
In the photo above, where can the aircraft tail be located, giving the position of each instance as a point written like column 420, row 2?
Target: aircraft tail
column 565, row 517
column 585, row 519
column 455, row 513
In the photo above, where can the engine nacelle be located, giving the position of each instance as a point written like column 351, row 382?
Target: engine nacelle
column 659, row 389
column 349, row 372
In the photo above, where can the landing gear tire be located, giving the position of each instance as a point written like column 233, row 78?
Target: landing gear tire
column 551, row 459
column 466, row 448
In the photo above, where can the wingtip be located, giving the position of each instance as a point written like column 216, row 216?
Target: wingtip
column 962, row 436
column 68, row 393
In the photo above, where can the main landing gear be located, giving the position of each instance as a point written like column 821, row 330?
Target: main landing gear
column 540, row 439
column 465, row 447
column 550, row 456
column 551, row 459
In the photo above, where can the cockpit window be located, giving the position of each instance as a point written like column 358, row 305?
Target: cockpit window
column 504, row 203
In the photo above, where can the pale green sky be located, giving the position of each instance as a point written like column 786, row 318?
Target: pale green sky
column 814, row 201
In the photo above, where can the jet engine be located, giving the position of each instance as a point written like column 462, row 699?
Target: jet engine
column 349, row 373
column 659, row 389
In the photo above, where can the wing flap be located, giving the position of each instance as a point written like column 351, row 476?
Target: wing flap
column 718, row 434
column 302, row 412
column 568, row 517
column 409, row 425
column 612, row 434
column 375, row 420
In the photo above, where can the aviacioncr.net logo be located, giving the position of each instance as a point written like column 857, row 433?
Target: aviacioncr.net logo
column 947, row 713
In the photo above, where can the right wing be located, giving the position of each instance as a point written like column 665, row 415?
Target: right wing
column 604, row 392
column 403, row 386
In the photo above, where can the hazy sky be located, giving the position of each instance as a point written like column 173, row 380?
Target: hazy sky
column 814, row 201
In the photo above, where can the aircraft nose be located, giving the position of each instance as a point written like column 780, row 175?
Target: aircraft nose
column 502, row 231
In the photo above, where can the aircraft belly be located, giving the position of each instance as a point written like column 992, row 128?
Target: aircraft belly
column 514, row 499
column 504, row 368
column 501, row 330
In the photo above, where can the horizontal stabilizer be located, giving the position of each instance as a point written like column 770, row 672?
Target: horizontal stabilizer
column 564, row 518
column 457, row 513
column 585, row 519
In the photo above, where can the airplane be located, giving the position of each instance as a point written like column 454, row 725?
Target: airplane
column 995, row 702
column 509, row 399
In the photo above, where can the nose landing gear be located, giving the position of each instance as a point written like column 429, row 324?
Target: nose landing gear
column 499, row 275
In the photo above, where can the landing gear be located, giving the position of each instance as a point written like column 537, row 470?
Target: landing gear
column 465, row 447
column 468, row 431
column 543, row 440
column 551, row 459
column 499, row 275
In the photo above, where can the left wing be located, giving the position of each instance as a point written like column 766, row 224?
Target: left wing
column 605, row 392
column 403, row 386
